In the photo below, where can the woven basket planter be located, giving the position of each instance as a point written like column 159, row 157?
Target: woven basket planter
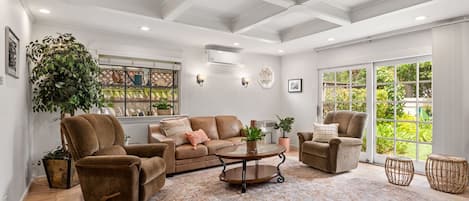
column 447, row 173
column 400, row 171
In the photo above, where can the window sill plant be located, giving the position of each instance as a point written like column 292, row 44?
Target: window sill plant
column 285, row 126
column 163, row 107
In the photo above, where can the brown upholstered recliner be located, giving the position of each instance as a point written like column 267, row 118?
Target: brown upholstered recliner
column 340, row 154
column 107, row 169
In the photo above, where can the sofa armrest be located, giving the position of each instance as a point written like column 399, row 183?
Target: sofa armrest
column 146, row 150
column 106, row 177
column 302, row 137
column 170, row 153
column 347, row 141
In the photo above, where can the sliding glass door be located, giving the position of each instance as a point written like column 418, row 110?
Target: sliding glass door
column 397, row 95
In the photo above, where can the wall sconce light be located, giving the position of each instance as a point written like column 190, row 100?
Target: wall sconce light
column 200, row 79
column 244, row 82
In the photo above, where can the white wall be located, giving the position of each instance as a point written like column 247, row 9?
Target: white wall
column 450, row 89
column 301, row 106
column 222, row 92
column 305, row 65
column 15, row 104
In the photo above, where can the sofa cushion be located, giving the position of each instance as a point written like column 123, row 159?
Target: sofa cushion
column 113, row 150
column 214, row 145
column 228, row 126
column 237, row 140
column 151, row 168
column 325, row 132
column 316, row 148
column 208, row 124
column 186, row 151
column 176, row 129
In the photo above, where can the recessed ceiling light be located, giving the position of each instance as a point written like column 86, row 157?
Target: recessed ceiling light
column 419, row 18
column 280, row 51
column 331, row 39
column 45, row 11
column 236, row 44
column 145, row 28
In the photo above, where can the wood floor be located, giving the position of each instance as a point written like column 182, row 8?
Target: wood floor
column 40, row 191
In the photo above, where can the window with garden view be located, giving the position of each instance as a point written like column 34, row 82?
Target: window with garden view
column 402, row 104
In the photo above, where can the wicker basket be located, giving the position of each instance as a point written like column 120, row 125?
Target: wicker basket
column 400, row 171
column 447, row 173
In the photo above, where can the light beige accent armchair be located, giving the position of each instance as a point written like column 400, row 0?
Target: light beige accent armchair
column 341, row 154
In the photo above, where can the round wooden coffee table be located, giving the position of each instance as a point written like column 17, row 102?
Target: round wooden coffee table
column 251, row 174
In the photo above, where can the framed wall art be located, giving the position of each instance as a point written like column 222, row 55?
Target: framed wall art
column 12, row 53
column 295, row 85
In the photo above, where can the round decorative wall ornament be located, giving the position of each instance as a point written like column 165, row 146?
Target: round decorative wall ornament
column 266, row 78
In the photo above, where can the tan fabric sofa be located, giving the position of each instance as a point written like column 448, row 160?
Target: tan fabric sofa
column 340, row 154
column 107, row 169
column 224, row 131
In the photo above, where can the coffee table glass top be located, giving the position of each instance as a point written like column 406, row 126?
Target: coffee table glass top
column 240, row 151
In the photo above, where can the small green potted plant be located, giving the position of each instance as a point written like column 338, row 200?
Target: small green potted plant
column 163, row 107
column 253, row 135
column 285, row 126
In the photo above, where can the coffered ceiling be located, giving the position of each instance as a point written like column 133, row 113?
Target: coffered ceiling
column 272, row 24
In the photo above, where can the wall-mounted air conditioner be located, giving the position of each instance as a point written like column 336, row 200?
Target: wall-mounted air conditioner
column 223, row 55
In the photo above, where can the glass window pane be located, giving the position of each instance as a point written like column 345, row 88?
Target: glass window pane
column 384, row 146
column 359, row 94
column 343, row 106
column 329, row 94
column 385, row 74
column 343, row 78
column 385, row 129
column 407, row 72
column 407, row 91
column 406, row 149
column 385, row 111
column 425, row 112
column 328, row 77
column 425, row 132
column 359, row 76
column 359, row 107
column 406, row 131
column 326, row 108
column 425, row 71
column 342, row 94
column 385, row 92
column 424, row 151
column 406, row 111
column 364, row 143
column 425, row 91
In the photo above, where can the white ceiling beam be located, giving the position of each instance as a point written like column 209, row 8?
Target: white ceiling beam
column 256, row 17
column 327, row 12
column 263, row 36
column 377, row 8
column 281, row 3
column 172, row 9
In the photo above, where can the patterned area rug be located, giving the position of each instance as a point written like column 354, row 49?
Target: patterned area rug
column 301, row 183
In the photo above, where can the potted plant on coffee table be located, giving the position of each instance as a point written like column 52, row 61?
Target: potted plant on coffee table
column 285, row 126
column 163, row 107
column 253, row 135
column 64, row 79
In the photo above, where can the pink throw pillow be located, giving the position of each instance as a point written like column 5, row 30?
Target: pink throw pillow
column 197, row 137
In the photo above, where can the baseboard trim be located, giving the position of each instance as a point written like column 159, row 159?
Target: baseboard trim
column 25, row 193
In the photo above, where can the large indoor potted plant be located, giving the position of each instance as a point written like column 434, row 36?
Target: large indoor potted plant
column 163, row 107
column 253, row 135
column 285, row 126
column 64, row 79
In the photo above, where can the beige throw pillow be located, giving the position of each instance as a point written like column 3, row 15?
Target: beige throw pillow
column 176, row 129
column 325, row 132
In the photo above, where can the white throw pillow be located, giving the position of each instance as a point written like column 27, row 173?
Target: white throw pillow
column 176, row 129
column 325, row 132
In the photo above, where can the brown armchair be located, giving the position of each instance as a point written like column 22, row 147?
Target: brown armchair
column 107, row 169
column 340, row 154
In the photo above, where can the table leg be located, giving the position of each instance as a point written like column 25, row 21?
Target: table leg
column 280, row 178
column 243, row 178
column 223, row 172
